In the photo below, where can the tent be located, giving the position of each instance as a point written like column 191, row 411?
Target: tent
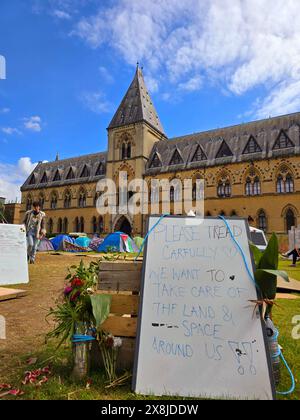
column 83, row 242
column 45, row 245
column 139, row 241
column 95, row 243
column 118, row 242
column 57, row 242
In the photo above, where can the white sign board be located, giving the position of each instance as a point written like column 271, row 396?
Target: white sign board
column 294, row 238
column 199, row 336
column 13, row 255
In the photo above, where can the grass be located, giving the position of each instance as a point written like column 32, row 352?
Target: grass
column 61, row 387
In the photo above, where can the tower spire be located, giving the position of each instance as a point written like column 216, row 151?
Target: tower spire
column 137, row 106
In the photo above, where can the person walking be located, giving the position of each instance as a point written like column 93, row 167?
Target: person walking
column 34, row 222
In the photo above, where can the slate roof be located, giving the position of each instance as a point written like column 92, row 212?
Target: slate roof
column 77, row 164
column 137, row 106
column 265, row 133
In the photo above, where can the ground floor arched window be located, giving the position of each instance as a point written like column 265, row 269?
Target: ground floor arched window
column 262, row 221
column 290, row 220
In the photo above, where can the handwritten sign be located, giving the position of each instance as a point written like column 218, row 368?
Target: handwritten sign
column 13, row 255
column 199, row 336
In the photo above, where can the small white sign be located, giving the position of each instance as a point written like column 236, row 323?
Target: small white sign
column 13, row 255
column 2, row 328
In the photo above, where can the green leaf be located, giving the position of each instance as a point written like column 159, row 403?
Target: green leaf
column 270, row 257
column 257, row 254
column 267, row 284
column 101, row 308
column 277, row 273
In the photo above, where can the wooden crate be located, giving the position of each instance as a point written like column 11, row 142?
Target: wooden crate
column 123, row 281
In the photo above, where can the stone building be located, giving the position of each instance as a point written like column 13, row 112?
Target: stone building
column 250, row 170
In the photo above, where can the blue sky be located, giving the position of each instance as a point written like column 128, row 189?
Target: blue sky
column 207, row 64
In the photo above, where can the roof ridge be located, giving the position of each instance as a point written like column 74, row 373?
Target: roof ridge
column 229, row 127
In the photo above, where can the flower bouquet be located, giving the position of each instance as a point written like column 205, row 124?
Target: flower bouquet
column 110, row 346
column 79, row 313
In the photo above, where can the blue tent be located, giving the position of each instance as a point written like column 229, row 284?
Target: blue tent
column 83, row 241
column 58, row 242
column 118, row 242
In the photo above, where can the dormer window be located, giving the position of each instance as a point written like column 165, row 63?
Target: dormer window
column 85, row 172
column 252, row 147
column 57, row 176
column 44, row 179
column 224, row 151
column 176, row 159
column 199, row 155
column 71, row 174
column 32, row 180
column 155, row 163
column 101, row 170
column 283, row 142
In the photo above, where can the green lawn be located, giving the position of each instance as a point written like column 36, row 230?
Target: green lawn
column 60, row 385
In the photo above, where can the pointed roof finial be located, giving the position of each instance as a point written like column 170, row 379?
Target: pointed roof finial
column 137, row 64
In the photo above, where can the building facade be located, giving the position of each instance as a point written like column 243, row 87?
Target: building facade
column 250, row 170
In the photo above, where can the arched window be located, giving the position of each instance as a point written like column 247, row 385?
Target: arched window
column 128, row 150
column 100, row 224
column 81, row 225
column 42, row 201
column 67, row 200
column 29, row 203
column 172, row 194
column 290, row 219
column 82, row 199
column 77, row 225
column 256, row 186
column 53, row 203
column 65, row 225
column 262, row 221
column 280, row 185
column 94, row 225
column 59, row 226
column 194, row 192
column 224, row 187
column 50, row 226
column 252, row 186
column 285, row 181
column 289, row 184
column 124, row 151
column 248, row 187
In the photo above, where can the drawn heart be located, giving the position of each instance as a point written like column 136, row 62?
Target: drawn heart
column 232, row 278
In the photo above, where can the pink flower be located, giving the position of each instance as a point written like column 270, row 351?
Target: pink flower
column 68, row 290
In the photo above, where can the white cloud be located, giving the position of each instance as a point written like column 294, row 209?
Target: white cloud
column 106, row 75
column 96, row 102
column 10, row 131
column 4, row 110
column 192, row 85
column 61, row 14
column 13, row 176
column 244, row 44
column 33, row 124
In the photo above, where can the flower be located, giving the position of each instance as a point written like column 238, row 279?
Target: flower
column 68, row 290
column 117, row 342
column 77, row 282
column 75, row 296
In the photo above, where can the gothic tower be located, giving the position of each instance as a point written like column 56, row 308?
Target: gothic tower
column 132, row 133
